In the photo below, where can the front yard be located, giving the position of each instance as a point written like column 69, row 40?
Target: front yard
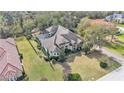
column 88, row 66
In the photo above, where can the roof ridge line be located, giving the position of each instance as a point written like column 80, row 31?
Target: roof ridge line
column 55, row 42
column 10, row 43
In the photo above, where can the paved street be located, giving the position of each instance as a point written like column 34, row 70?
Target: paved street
column 116, row 75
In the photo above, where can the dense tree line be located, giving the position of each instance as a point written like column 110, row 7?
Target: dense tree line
column 22, row 22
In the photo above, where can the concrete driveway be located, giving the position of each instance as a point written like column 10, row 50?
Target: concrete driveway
column 120, row 28
column 118, row 74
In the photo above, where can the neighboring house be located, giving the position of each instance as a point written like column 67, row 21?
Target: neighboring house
column 57, row 38
column 107, row 24
column 102, row 22
column 117, row 17
column 36, row 31
column 10, row 65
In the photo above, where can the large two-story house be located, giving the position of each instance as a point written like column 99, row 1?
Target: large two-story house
column 117, row 17
column 10, row 65
column 57, row 38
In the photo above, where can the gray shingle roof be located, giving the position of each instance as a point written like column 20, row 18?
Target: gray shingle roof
column 61, row 36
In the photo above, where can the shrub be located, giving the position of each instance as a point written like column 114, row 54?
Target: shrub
column 47, row 58
column 44, row 79
column 55, row 58
column 118, row 33
column 39, row 46
column 62, row 56
column 21, row 56
column 67, row 51
column 24, row 77
column 54, row 61
column 103, row 65
column 74, row 77
column 29, row 37
column 37, row 40
column 86, row 48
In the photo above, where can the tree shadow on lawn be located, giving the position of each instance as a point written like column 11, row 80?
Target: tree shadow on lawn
column 71, row 57
column 95, row 54
column 98, row 55
column 112, row 64
column 66, row 67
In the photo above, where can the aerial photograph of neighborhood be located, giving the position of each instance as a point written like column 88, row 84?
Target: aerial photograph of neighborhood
column 61, row 45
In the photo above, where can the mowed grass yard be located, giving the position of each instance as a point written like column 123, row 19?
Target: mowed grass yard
column 115, row 48
column 121, row 25
column 88, row 66
column 121, row 37
column 36, row 68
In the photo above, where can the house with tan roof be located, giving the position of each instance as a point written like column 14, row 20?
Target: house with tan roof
column 10, row 64
column 56, row 38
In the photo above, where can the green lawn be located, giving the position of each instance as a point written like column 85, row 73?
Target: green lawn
column 35, row 67
column 88, row 66
column 121, row 38
column 115, row 48
column 121, row 25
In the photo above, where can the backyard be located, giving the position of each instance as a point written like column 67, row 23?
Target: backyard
column 35, row 67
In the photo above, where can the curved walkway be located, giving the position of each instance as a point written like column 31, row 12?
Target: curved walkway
column 118, row 74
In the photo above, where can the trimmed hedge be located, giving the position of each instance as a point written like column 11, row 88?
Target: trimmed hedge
column 103, row 65
column 74, row 77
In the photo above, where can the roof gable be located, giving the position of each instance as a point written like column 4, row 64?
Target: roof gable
column 61, row 36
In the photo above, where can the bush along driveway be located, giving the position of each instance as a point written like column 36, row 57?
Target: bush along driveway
column 117, row 74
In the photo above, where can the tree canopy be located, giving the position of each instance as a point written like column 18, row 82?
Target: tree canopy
column 93, row 34
column 19, row 22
